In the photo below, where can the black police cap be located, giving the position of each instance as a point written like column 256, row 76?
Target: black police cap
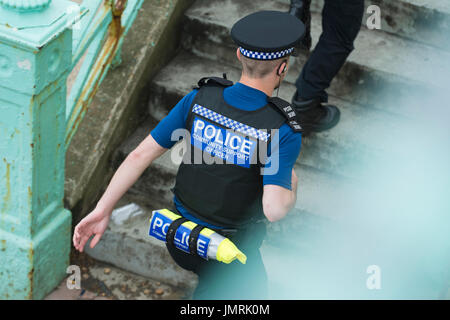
column 268, row 35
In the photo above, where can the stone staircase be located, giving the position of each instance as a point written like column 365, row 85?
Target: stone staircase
column 373, row 91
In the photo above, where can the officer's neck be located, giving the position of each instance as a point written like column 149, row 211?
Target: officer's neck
column 263, row 84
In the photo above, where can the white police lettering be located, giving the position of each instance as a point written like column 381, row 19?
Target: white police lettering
column 198, row 125
column 158, row 223
column 181, row 151
column 202, row 246
column 287, row 109
column 235, row 142
column 212, row 130
column 246, row 146
column 181, row 241
column 182, row 237
column 222, row 143
column 159, row 227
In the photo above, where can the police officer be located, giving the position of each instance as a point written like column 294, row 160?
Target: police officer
column 231, row 124
column 341, row 22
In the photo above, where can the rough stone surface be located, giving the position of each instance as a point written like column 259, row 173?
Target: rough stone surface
column 425, row 21
column 363, row 78
column 127, row 245
column 129, row 286
column 119, row 103
column 116, row 284
column 62, row 292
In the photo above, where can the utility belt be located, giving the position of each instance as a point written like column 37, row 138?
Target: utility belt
column 195, row 239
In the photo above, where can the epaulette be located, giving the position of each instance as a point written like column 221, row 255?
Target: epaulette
column 288, row 111
column 224, row 82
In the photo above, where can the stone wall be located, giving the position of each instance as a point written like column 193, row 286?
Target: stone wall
column 121, row 102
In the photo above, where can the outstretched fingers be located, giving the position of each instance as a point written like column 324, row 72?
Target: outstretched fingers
column 95, row 239
column 75, row 239
column 83, row 240
column 81, row 236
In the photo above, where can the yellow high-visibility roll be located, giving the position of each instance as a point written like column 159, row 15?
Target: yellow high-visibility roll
column 210, row 244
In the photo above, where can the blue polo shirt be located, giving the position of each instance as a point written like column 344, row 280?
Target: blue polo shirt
column 245, row 98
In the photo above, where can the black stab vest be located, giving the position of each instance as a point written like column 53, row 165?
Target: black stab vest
column 226, row 194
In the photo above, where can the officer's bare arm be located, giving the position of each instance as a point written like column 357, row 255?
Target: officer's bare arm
column 96, row 222
column 130, row 170
column 278, row 201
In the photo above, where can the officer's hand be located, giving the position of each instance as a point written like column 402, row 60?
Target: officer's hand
column 95, row 223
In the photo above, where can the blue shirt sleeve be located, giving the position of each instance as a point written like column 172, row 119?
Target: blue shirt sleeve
column 176, row 119
column 283, row 155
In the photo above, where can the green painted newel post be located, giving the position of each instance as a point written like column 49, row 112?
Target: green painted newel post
column 35, row 229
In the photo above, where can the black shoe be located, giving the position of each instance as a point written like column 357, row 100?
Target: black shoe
column 314, row 116
column 301, row 10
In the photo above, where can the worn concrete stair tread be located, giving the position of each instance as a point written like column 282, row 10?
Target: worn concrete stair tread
column 439, row 5
column 435, row 5
column 368, row 77
column 110, row 282
column 368, row 44
column 127, row 245
column 426, row 21
column 333, row 151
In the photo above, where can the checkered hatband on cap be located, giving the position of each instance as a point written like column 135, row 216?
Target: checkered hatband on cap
column 265, row 55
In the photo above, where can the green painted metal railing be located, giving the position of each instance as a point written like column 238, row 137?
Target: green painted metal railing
column 53, row 57
column 98, row 40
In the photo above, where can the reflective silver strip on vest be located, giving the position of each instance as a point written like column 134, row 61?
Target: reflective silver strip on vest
column 230, row 123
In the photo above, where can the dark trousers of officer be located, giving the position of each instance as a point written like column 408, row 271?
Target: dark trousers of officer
column 220, row 281
column 341, row 22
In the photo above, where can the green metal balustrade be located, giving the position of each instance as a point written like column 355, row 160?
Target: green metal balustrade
column 53, row 56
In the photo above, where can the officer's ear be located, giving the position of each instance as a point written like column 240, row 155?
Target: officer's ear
column 238, row 54
column 282, row 68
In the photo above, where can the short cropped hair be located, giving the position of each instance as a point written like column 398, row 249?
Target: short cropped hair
column 259, row 68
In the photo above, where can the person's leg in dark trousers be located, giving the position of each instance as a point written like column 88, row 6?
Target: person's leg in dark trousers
column 341, row 22
column 248, row 281
column 219, row 281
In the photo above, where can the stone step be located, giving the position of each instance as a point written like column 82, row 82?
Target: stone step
column 425, row 21
column 127, row 245
column 338, row 150
column 101, row 280
column 125, row 285
column 370, row 76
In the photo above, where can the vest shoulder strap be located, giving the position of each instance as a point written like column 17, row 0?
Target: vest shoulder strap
column 287, row 111
column 224, row 82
